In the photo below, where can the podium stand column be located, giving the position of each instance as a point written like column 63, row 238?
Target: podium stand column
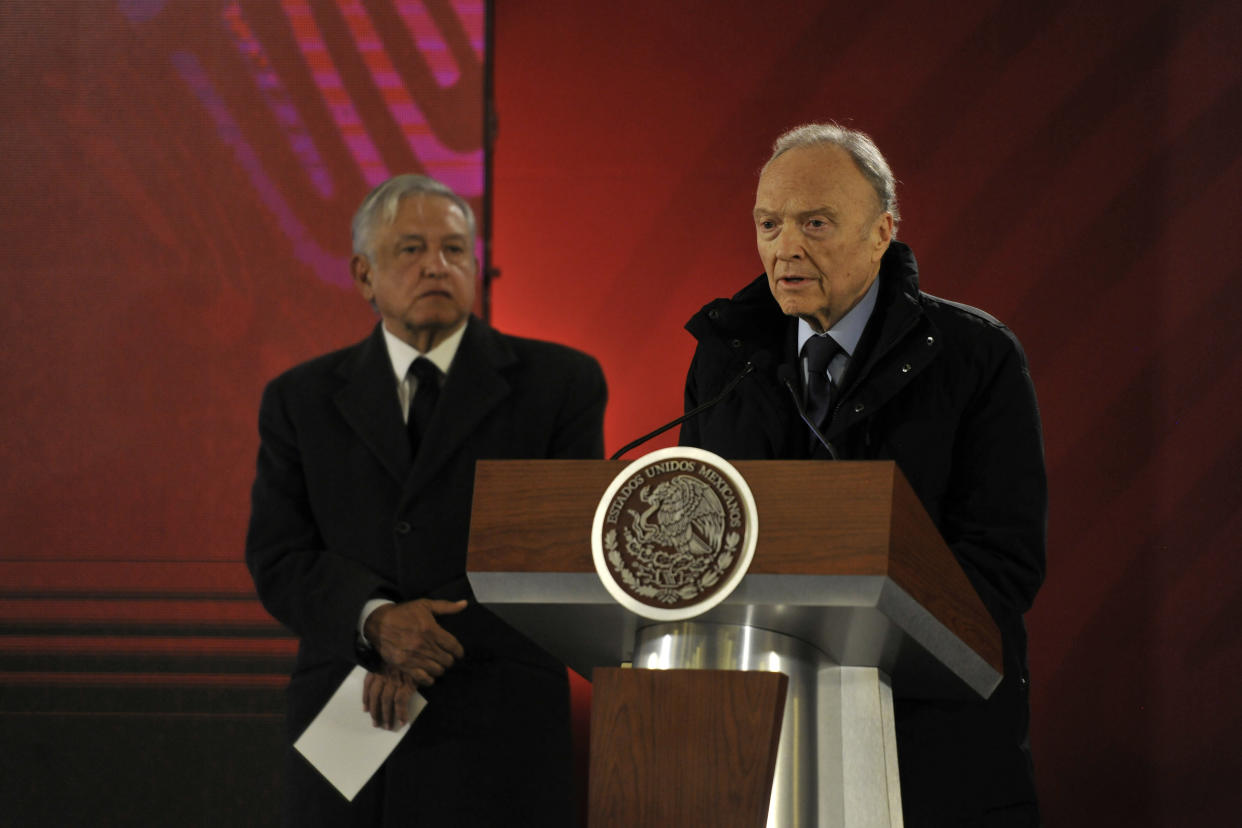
column 837, row 760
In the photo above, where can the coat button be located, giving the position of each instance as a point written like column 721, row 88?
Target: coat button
column 737, row 343
column 931, row 340
column 713, row 314
column 402, row 528
column 858, row 408
column 905, row 369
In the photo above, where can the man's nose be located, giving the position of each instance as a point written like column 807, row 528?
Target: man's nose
column 436, row 265
column 788, row 245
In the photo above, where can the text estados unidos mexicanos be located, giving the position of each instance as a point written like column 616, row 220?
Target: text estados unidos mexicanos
column 709, row 474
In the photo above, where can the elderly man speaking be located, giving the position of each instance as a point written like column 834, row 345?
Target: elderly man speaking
column 886, row 371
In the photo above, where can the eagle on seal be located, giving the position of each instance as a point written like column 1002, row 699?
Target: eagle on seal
column 688, row 516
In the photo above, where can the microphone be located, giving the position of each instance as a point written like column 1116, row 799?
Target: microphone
column 786, row 374
column 760, row 360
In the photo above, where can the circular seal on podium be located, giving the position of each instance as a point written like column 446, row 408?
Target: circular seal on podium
column 674, row 533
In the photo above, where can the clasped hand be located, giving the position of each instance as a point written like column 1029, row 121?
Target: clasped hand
column 416, row 651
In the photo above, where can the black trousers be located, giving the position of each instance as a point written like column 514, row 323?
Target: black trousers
column 492, row 748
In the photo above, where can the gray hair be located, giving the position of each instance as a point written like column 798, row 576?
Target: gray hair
column 867, row 157
column 381, row 205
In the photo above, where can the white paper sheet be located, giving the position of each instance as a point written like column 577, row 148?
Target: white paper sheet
column 342, row 743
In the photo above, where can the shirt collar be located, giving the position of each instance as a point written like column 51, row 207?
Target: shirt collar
column 849, row 328
column 403, row 355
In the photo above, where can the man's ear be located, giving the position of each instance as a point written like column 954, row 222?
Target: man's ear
column 881, row 235
column 360, row 272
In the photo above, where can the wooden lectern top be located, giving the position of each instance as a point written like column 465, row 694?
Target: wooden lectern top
column 847, row 559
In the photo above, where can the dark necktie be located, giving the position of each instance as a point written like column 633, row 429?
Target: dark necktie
column 424, row 402
column 819, row 351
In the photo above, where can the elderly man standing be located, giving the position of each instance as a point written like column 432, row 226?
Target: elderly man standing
column 360, row 514
column 886, row 371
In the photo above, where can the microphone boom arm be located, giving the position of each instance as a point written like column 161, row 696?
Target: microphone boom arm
column 746, row 369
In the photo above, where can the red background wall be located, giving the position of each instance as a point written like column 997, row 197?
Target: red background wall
column 1072, row 168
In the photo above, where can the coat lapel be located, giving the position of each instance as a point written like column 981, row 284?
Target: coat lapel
column 775, row 416
column 368, row 402
column 899, row 327
column 474, row 387
column 761, row 400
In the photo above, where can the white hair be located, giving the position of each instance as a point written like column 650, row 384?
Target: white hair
column 866, row 155
column 381, row 205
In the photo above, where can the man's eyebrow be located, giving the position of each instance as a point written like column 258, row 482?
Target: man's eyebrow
column 404, row 237
column 824, row 210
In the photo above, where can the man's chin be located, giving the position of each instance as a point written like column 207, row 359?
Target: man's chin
column 813, row 315
column 797, row 306
column 427, row 330
column 446, row 322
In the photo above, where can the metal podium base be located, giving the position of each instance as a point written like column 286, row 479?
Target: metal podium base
column 837, row 761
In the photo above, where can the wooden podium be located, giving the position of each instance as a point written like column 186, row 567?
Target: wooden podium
column 852, row 595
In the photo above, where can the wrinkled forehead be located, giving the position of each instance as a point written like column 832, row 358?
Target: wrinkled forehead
column 807, row 177
column 431, row 209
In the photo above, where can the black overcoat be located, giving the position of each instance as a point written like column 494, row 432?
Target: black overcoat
column 944, row 390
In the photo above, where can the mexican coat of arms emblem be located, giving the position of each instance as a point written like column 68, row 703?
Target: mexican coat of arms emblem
column 674, row 533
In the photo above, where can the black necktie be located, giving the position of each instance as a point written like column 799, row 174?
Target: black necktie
column 819, row 351
column 424, row 402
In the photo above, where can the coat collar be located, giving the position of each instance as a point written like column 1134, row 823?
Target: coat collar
column 474, row 386
column 753, row 316
column 897, row 311
column 898, row 343
column 751, row 322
